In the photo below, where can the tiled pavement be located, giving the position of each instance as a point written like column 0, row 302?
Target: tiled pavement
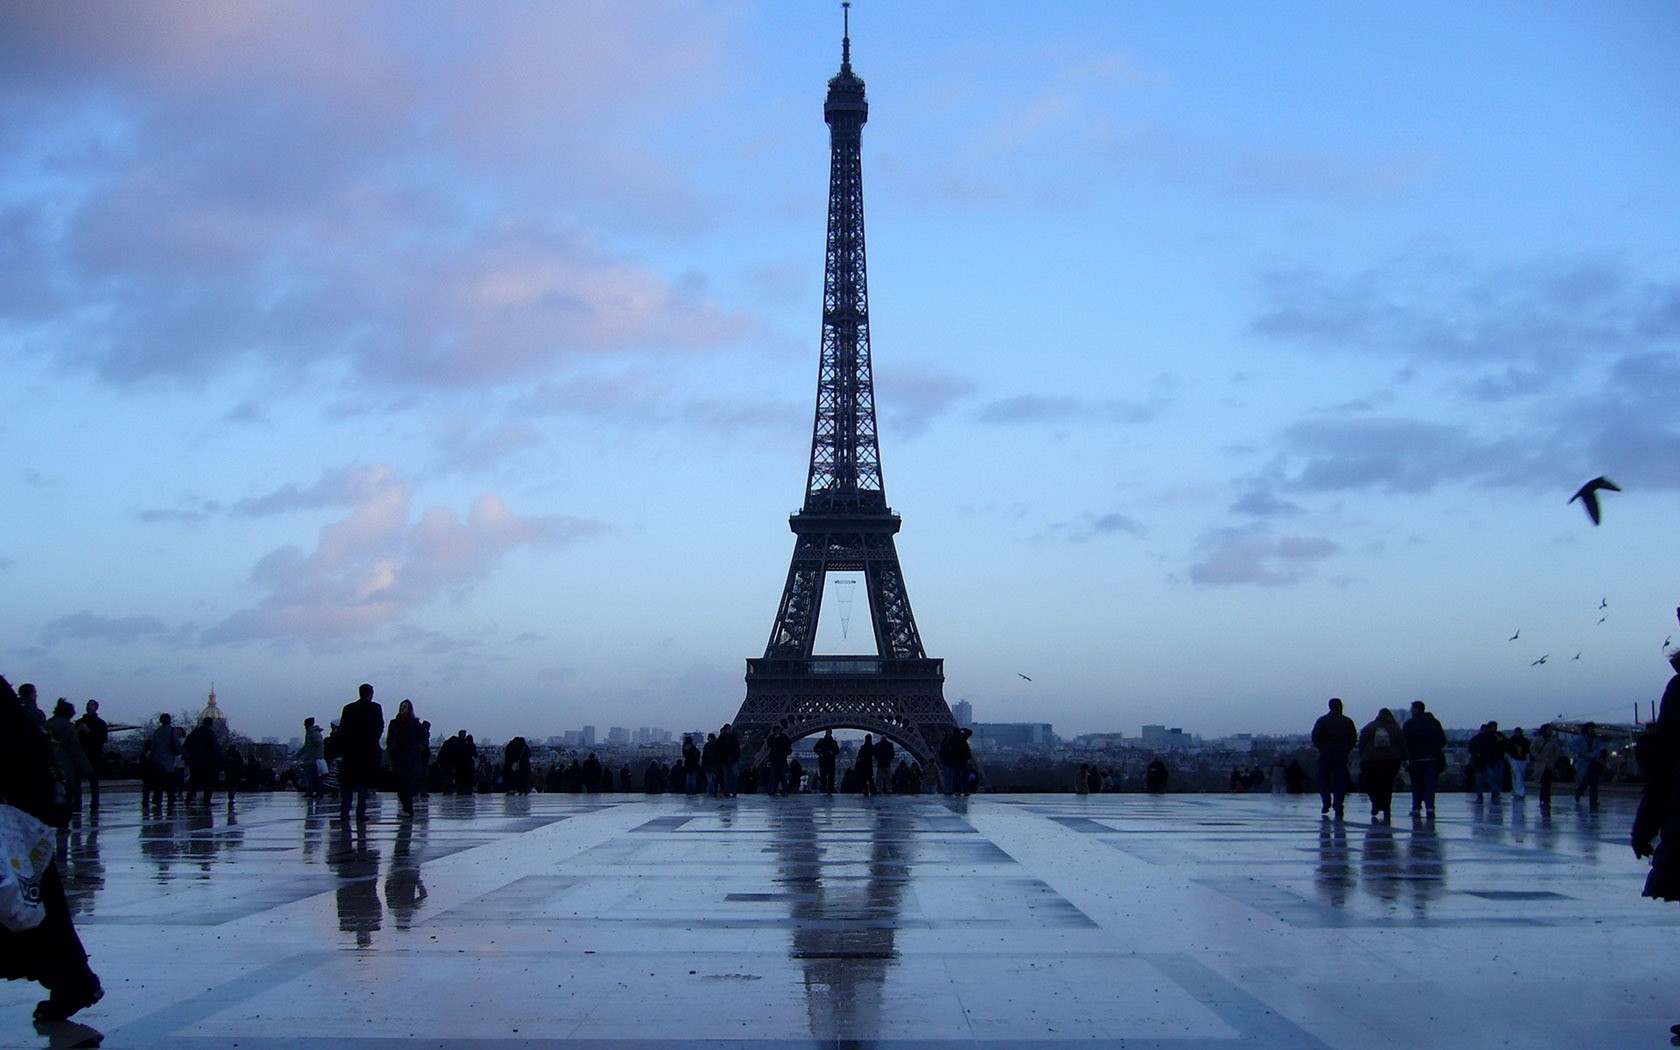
column 1184, row 922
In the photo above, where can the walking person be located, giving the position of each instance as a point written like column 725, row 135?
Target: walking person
column 828, row 753
column 1426, row 750
column 1335, row 736
column 866, row 764
column 406, row 746
column 1487, row 761
column 312, row 759
column 1517, row 750
column 1656, row 825
column 1548, row 752
column 1590, row 756
column 1382, row 747
column 360, row 725
column 51, row 954
column 233, row 772
column 95, row 733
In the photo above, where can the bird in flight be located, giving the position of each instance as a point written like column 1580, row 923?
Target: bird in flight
column 1519, row 629
column 1540, row 661
column 1667, row 641
column 1604, row 603
column 1577, row 656
column 1588, row 495
column 1023, row 676
column 1601, row 619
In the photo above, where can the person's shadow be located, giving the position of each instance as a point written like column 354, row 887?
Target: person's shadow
column 357, row 866
column 69, row 1034
column 403, row 889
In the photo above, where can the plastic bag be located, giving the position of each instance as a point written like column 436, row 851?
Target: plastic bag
column 26, row 849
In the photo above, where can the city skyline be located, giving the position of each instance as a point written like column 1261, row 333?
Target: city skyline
column 1226, row 359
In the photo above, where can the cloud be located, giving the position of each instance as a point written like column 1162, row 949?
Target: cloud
column 1528, row 327
column 912, row 398
column 1096, row 526
column 1253, row 555
column 93, row 627
column 1259, row 504
column 297, row 186
column 379, row 562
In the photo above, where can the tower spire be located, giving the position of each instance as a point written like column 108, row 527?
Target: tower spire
column 846, row 37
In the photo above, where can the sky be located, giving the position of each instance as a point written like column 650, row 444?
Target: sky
column 1228, row 357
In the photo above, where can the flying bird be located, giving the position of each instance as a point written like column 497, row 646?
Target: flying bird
column 1667, row 641
column 1540, row 661
column 1604, row 603
column 1577, row 656
column 1519, row 629
column 1601, row 619
column 1023, row 676
column 1588, row 495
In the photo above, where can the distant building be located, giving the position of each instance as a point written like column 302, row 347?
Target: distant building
column 1161, row 737
column 618, row 735
column 588, row 738
column 964, row 712
column 1023, row 735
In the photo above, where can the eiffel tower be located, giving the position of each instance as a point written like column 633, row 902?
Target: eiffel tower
column 845, row 524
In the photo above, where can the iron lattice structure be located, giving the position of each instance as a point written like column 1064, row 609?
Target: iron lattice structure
column 845, row 524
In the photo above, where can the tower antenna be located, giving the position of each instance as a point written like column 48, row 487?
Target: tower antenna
column 846, row 34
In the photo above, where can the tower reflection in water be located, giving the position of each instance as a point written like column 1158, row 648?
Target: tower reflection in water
column 844, row 872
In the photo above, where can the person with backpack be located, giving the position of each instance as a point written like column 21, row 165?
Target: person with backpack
column 51, row 953
column 1382, row 747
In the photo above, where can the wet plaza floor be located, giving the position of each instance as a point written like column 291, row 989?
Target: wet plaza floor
column 1179, row 923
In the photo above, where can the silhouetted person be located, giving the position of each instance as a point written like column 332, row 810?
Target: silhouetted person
column 360, row 725
column 1656, row 825
column 312, row 758
column 51, row 953
column 591, row 770
column 233, row 771
column 709, row 767
column 780, row 747
column 1517, row 750
column 866, row 764
column 1335, row 736
column 72, row 762
column 828, row 752
column 1426, row 753
column 1382, row 747
column 690, row 765
column 729, row 758
column 1487, row 760
column 203, row 753
column 405, row 745
column 1155, row 776
column 157, row 763
column 516, row 766
column 883, row 765
column 955, row 756
column 95, row 733
column 1296, row 777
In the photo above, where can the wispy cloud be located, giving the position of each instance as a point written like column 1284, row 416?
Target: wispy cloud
column 380, row 561
column 88, row 626
column 1253, row 555
column 1040, row 408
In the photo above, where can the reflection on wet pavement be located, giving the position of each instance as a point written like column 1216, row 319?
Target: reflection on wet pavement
column 620, row 920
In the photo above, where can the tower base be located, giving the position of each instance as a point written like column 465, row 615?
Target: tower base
column 903, row 700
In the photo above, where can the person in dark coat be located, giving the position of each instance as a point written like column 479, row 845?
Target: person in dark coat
column 883, row 765
column 203, row 753
column 1382, row 747
column 1426, row 749
column 828, row 751
column 95, row 733
column 51, row 953
column 516, row 766
column 360, row 725
column 406, row 744
column 780, row 747
column 233, row 772
column 866, row 764
column 1335, row 736
column 1656, row 825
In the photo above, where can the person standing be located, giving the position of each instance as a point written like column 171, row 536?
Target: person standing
column 405, row 743
column 516, row 766
column 729, row 759
column 691, row 765
column 95, row 733
column 1516, row 756
column 203, row 753
column 1382, row 747
column 709, row 766
column 1487, row 761
column 780, row 747
column 1335, row 736
column 883, row 766
column 360, row 725
column 157, row 762
column 51, row 953
column 828, row 752
column 67, row 752
column 1548, row 750
column 1426, row 751
column 1656, row 824
column 233, row 772
column 866, row 764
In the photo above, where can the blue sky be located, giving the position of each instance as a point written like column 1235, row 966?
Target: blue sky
column 1228, row 356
